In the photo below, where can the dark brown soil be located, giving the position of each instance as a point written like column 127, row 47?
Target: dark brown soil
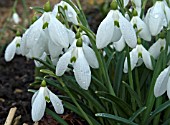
column 15, row 77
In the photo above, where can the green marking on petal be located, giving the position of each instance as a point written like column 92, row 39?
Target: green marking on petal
column 116, row 23
column 47, row 99
column 139, row 55
column 73, row 59
column 45, row 25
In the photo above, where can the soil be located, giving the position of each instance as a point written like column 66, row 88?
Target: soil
column 15, row 77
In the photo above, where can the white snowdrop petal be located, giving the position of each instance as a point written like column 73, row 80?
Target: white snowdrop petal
column 116, row 34
column 58, row 32
column 16, row 18
column 34, row 96
column 105, row 31
column 34, row 32
column 168, row 88
column 157, row 18
column 119, row 45
column 90, row 56
column 161, row 82
column 10, row 51
column 56, row 102
column 38, row 106
column 146, row 58
column 82, row 71
column 40, row 46
column 137, row 3
column 62, row 64
column 54, row 50
column 144, row 33
column 55, row 10
column 125, row 2
column 86, row 39
column 71, row 14
column 155, row 49
column 133, row 60
column 43, row 57
column 167, row 12
column 128, row 32
column 71, row 35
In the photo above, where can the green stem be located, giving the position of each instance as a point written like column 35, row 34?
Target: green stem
column 130, row 76
column 137, row 83
column 74, row 100
column 156, row 120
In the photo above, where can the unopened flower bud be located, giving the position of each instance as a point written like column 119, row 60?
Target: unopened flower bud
column 114, row 5
column 135, row 13
column 139, row 41
column 43, row 83
column 79, row 42
column 47, row 7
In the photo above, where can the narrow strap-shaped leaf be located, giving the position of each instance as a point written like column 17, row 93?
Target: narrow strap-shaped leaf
column 159, row 109
column 119, row 72
column 138, row 112
column 123, row 105
column 56, row 117
column 38, row 9
column 133, row 94
column 115, row 118
column 75, row 109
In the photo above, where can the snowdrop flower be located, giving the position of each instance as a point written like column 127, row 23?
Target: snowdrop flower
column 137, row 56
column 157, row 17
column 119, row 45
column 163, row 83
column 43, row 57
column 80, row 56
column 140, row 26
column 46, row 28
column 137, row 4
column 111, row 32
column 12, row 48
column 157, row 47
column 69, row 11
column 16, row 18
column 39, row 100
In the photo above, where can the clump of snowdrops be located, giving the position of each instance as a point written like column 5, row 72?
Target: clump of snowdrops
column 116, row 76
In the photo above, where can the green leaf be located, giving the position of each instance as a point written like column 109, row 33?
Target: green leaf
column 76, row 110
column 123, row 105
column 46, row 71
column 116, row 118
column 159, row 109
column 56, row 117
column 38, row 9
column 133, row 94
column 119, row 72
column 51, row 67
column 138, row 112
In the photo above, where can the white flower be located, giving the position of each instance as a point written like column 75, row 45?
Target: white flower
column 16, row 18
column 112, row 28
column 69, row 11
column 137, row 56
column 163, row 83
column 43, row 57
column 157, row 47
column 39, row 103
column 142, row 27
column 80, row 58
column 157, row 17
column 47, row 28
column 119, row 45
column 12, row 48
